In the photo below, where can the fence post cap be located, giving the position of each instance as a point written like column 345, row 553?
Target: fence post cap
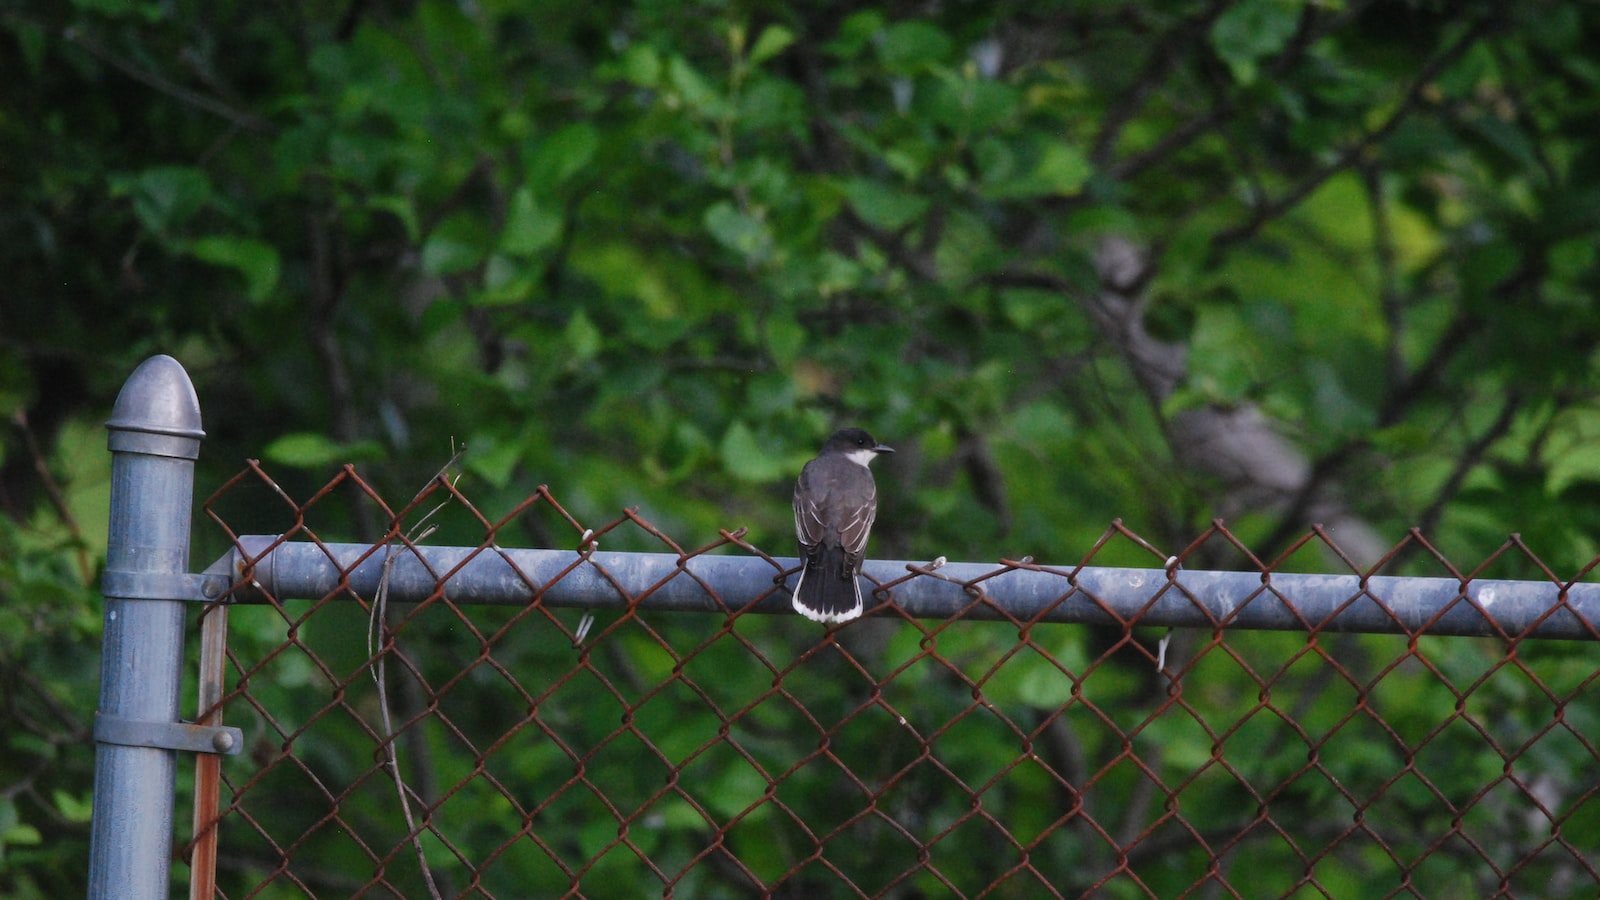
column 157, row 412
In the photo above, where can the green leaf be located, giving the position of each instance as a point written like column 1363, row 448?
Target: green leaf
column 744, row 457
column 739, row 231
column 166, row 196
column 1487, row 266
column 1569, row 260
column 313, row 450
column 884, row 206
column 22, row 835
column 1041, row 424
column 774, row 39
column 563, row 154
column 1031, row 308
column 492, row 458
column 1063, row 169
column 677, row 815
column 737, row 787
column 995, row 159
column 256, row 260
column 1225, row 359
column 530, row 228
column 581, row 337
column 506, row 281
column 1402, row 439
column 641, row 64
column 402, row 208
column 835, row 272
column 32, row 40
column 626, row 272
column 971, row 105
column 785, row 339
column 908, row 47
column 692, row 88
column 856, row 33
column 459, row 243
column 1573, row 450
column 1036, row 681
column 73, row 809
column 1251, row 30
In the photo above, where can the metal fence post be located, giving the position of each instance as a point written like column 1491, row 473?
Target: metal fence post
column 154, row 438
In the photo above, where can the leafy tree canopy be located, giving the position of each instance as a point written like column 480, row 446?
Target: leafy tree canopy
column 1286, row 262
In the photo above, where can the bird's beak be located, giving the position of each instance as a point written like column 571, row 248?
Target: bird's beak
column 883, row 448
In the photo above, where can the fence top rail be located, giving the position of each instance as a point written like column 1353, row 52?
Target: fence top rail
column 267, row 566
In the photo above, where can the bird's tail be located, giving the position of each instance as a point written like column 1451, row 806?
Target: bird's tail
column 828, row 590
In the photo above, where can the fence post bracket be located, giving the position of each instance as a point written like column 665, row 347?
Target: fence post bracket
column 185, row 736
column 202, row 588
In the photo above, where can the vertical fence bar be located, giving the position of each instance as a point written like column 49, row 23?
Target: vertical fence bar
column 208, row 766
column 154, row 439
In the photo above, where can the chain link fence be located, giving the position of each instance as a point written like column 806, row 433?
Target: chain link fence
column 447, row 747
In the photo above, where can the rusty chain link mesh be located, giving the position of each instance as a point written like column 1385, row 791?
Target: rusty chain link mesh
column 744, row 755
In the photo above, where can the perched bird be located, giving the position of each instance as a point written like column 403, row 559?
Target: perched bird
column 835, row 501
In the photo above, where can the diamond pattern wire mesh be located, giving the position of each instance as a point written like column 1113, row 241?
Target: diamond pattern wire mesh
column 740, row 755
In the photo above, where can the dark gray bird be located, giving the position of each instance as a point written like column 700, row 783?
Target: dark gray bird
column 835, row 502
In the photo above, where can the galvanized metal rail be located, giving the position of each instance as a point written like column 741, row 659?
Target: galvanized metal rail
column 1178, row 598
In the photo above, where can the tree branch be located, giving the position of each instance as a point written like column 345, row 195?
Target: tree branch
column 52, row 489
column 1388, row 279
column 1163, row 56
column 239, row 118
column 1468, row 460
column 1272, row 209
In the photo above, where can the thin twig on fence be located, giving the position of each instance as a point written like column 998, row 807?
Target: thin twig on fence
column 375, row 650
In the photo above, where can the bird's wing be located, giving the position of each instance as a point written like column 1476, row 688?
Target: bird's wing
column 855, row 524
column 808, row 525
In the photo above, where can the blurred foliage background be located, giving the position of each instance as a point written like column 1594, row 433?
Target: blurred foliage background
column 1281, row 262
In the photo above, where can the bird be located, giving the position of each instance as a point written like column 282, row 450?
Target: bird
column 835, row 503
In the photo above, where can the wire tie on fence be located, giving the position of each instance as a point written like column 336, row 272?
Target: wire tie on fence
column 931, row 570
column 586, row 547
column 1172, row 567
